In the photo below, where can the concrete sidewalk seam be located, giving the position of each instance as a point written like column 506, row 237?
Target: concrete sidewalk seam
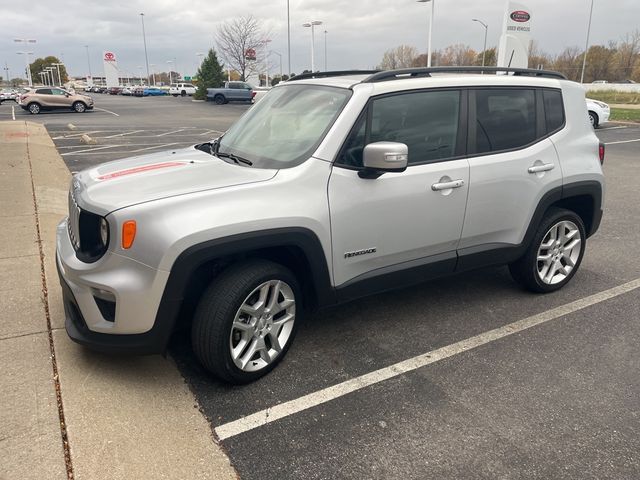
column 20, row 335
column 19, row 256
column 54, row 365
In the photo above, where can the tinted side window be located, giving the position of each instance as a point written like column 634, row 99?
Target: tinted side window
column 43, row 91
column 553, row 109
column 427, row 122
column 506, row 119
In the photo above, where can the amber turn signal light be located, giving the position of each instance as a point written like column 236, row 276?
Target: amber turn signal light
column 128, row 233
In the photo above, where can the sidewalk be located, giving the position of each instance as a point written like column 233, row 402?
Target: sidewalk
column 100, row 417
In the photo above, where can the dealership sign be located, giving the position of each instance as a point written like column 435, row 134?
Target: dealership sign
column 513, row 49
column 111, row 72
column 250, row 54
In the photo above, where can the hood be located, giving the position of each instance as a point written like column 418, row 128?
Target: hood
column 122, row 183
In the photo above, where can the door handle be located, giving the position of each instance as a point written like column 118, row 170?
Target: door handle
column 447, row 185
column 545, row 167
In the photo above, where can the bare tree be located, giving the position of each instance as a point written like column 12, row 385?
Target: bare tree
column 458, row 55
column 402, row 56
column 628, row 55
column 237, row 36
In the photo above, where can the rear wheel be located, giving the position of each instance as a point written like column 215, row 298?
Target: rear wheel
column 555, row 253
column 219, row 99
column 79, row 107
column 174, row 94
column 246, row 320
column 593, row 118
column 34, row 108
column 183, row 93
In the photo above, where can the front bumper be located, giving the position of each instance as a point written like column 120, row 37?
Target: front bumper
column 138, row 325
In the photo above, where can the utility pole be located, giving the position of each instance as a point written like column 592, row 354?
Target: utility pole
column 288, row 41
column 89, row 62
column 586, row 46
column 144, row 39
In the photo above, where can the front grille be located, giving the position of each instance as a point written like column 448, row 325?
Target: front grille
column 74, row 221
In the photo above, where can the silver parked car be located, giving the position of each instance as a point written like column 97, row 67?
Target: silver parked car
column 329, row 189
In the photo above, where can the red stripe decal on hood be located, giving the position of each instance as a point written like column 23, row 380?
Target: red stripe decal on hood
column 145, row 168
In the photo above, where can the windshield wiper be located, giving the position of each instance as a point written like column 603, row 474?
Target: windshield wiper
column 233, row 158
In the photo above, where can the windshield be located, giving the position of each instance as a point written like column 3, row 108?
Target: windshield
column 284, row 128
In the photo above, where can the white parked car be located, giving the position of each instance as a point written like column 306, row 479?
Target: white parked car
column 182, row 89
column 599, row 112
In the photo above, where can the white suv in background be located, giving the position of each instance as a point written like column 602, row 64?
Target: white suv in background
column 182, row 89
column 599, row 112
column 334, row 186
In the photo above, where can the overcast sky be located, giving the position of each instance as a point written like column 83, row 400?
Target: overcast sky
column 359, row 31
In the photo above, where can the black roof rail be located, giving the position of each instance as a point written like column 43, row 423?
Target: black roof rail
column 337, row 73
column 427, row 71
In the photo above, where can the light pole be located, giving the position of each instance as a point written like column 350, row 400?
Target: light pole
column 6, row 73
column 486, row 29
column 89, row 62
column 170, row 81
column 430, row 29
column 144, row 39
column 586, row 46
column 153, row 73
column 200, row 57
column 26, row 56
column 140, row 70
column 41, row 77
column 280, row 57
column 312, row 24
column 288, row 41
column 325, row 50
column 266, row 61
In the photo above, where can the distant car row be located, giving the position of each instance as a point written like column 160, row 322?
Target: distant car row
column 127, row 91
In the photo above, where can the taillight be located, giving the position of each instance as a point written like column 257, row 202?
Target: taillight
column 601, row 153
column 253, row 94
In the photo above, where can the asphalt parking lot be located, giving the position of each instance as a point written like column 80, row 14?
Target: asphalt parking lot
column 558, row 400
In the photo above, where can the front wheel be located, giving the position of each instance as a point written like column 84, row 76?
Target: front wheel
column 555, row 253
column 246, row 320
column 183, row 93
column 33, row 108
column 219, row 99
column 174, row 95
column 79, row 107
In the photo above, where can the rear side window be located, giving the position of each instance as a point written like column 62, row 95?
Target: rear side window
column 505, row 119
column 553, row 110
column 43, row 91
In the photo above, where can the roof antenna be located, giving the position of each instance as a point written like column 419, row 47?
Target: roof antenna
column 511, row 58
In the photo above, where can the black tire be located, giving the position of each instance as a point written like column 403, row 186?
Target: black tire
column 79, row 107
column 183, row 93
column 219, row 99
column 525, row 269
column 211, row 330
column 595, row 120
column 174, row 94
column 33, row 108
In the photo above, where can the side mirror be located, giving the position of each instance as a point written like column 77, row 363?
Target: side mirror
column 381, row 157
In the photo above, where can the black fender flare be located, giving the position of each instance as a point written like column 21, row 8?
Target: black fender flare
column 197, row 255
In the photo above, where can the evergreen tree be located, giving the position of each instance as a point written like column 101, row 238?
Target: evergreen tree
column 210, row 75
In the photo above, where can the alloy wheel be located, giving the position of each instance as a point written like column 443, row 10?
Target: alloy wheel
column 262, row 326
column 559, row 252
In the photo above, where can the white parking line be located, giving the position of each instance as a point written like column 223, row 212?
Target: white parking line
column 169, row 133
column 612, row 128
column 209, row 132
column 151, row 148
column 108, row 111
column 13, row 112
column 73, row 135
column 623, row 141
column 89, row 150
column 123, row 134
column 319, row 397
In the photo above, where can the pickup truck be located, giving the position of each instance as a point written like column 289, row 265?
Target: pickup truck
column 231, row 92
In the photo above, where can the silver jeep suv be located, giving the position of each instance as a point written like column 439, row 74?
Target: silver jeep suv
column 335, row 186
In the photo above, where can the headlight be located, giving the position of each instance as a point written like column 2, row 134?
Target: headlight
column 104, row 231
